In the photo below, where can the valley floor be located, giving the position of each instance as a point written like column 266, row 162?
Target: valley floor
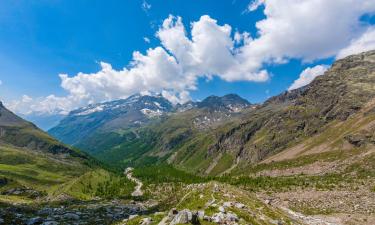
column 207, row 202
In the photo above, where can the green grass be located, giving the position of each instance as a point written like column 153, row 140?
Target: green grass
column 53, row 175
column 166, row 174
column 225, row 162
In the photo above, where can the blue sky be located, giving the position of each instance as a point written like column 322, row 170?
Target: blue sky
column 41, row 39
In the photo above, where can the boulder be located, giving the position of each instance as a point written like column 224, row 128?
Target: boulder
column 228, row 204
column 35, row 220
column 184, row 216
column 133, row 216
column 231, row 217
column 218, row 218
column 146, row 221
column 239, row 205
column 71, row 216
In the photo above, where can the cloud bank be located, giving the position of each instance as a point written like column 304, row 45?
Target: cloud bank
column 308, row 75
column 307, row 30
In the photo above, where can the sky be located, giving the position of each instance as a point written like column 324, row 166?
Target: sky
column 58, row 55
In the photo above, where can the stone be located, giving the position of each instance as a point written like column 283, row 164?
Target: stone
column 184, row 216
column 52, row 222
column 35, row 220
column 133, row 216
column 218, row 218
column 145, row 221
column 228, row 204
column 2, row 221
column 232, row 217
column 71, row 216
column 239, row 205
column 221, row 209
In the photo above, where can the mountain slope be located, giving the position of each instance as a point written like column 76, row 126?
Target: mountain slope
column 140, row 120
column 110, row 116
column 34, row 166
column 191, row 140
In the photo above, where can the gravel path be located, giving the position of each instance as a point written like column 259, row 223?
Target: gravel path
column 138, row 188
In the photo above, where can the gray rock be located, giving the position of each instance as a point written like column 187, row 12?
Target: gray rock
column 133, row 216
column 71, row 216
column 52, row 222
column 145, row 221
column 35, row 220
column 239, row 205
column 221, row 209
column 218, row 218
column 184, row 216
column 2, row 221
column 45, row 211
column 231, row 217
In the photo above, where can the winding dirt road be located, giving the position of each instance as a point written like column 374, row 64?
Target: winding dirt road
column 138, row 188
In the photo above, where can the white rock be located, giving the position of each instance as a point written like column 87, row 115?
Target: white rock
column 227, row 204
column 133, row 216
column 145, row 221
column 184, row 216
column 239, row 205
column 221, row 209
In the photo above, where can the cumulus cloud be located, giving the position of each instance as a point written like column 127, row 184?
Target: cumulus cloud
column 364, row 43
column 308, row 75
column 210, row 51
column 306, row 30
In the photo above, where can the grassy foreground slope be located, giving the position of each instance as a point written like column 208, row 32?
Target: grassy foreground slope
column 34, row 166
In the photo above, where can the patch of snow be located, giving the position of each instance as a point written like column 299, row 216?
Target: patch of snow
column 151, row 113
column 98, row 108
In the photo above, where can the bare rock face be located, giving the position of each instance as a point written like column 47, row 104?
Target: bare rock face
column 337, row 95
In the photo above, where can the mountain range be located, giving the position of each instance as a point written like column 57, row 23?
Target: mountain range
column 306, row 156
column 223, row 134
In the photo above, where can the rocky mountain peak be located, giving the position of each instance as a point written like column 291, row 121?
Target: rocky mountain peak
column 229, row 102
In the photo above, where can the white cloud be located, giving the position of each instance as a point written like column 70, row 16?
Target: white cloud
column 364, row 43
column 308, row 75
column 307, row 29
column 146, row 6
column 292, row 29
column 210, row 51
column 146, row 39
